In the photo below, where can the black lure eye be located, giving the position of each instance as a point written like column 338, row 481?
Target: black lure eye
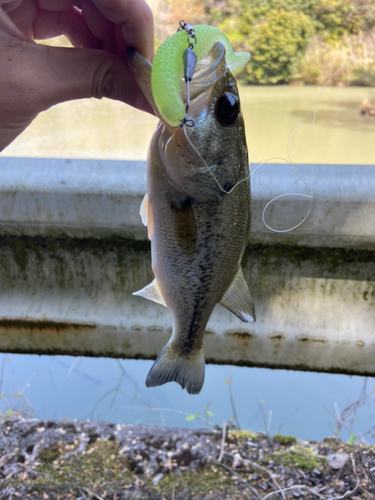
column 227, row 109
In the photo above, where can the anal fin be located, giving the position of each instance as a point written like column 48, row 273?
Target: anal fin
column 238, row 299
column 152, row 292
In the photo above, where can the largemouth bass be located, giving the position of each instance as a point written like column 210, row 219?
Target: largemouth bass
column 197, row 211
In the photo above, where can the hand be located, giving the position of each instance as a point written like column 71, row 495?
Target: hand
column 34, row 77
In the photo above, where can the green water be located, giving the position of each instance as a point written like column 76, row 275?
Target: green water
column 111, row 130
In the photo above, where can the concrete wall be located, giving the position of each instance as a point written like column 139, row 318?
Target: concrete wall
column 73, row 249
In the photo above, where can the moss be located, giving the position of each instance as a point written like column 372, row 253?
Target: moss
column 285, row 440
column 50, row 454
column 85, row 470
column 103, row 472
column 205, row 483
column 241, row 435
column 302, row 458
column 332, row 441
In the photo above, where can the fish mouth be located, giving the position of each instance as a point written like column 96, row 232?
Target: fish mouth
column 187, row 152
column 208, row 72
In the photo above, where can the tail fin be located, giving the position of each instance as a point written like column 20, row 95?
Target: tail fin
column 172, row 366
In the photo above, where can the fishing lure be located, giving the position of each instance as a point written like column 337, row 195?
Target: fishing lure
column 168, row 67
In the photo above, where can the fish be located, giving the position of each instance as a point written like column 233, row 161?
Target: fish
column 197, row 210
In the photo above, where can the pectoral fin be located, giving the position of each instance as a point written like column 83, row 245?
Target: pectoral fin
column 147, row 216
column 185, row 226
column 238, row 299
column 143, row 211
column 152, row 292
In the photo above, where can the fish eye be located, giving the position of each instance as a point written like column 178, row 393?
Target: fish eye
column 227, row 109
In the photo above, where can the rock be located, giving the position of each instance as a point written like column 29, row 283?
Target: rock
column 157, row 478
column 367, row 107
column 337, row 460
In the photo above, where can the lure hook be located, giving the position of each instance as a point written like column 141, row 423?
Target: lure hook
column 190, row 61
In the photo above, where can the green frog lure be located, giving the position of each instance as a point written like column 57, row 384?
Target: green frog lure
column 174, row 61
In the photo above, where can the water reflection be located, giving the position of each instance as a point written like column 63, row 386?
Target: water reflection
column 114, row 390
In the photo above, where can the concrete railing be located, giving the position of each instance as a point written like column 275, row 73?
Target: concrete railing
column 73, row 249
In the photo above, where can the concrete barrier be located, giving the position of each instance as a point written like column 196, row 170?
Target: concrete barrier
column 73, row 249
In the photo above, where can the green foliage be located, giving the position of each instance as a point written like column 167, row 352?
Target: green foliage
column 331, row 18
column 191, row 417
column 352, row 438
column 335, row 18
column 278, row 32
column 362, row 76
column 197, row 416
column 277, row 45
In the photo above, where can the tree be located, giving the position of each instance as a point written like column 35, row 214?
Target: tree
column 276, row 45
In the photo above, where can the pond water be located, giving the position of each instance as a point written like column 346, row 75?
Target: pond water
column 292, row 402
column 111, row 130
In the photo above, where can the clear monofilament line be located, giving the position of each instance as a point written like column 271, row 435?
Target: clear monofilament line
column 311, row 197
column 209, row 168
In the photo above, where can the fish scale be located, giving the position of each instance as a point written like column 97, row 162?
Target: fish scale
column 198, row 231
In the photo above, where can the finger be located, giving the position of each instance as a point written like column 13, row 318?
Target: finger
column 49, row 75
column 8, row 28
column 138, row 32
column 23, row 16
column 136, row 19
column 101, row 28
column 8, row 5
column 56, row 5
column 70, row 23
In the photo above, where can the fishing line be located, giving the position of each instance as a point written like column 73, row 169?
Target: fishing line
column 310, row 196
column 313, row 122
column 247, row 177
column 209, row 168
column 190, row 60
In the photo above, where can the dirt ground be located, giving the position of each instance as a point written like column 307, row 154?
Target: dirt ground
column 84, row 460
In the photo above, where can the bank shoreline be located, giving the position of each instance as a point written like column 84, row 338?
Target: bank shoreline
column 81, row 460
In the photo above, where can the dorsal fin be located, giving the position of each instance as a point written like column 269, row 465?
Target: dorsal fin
column 238, row 299
column 185, row 226
column 152, row 292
